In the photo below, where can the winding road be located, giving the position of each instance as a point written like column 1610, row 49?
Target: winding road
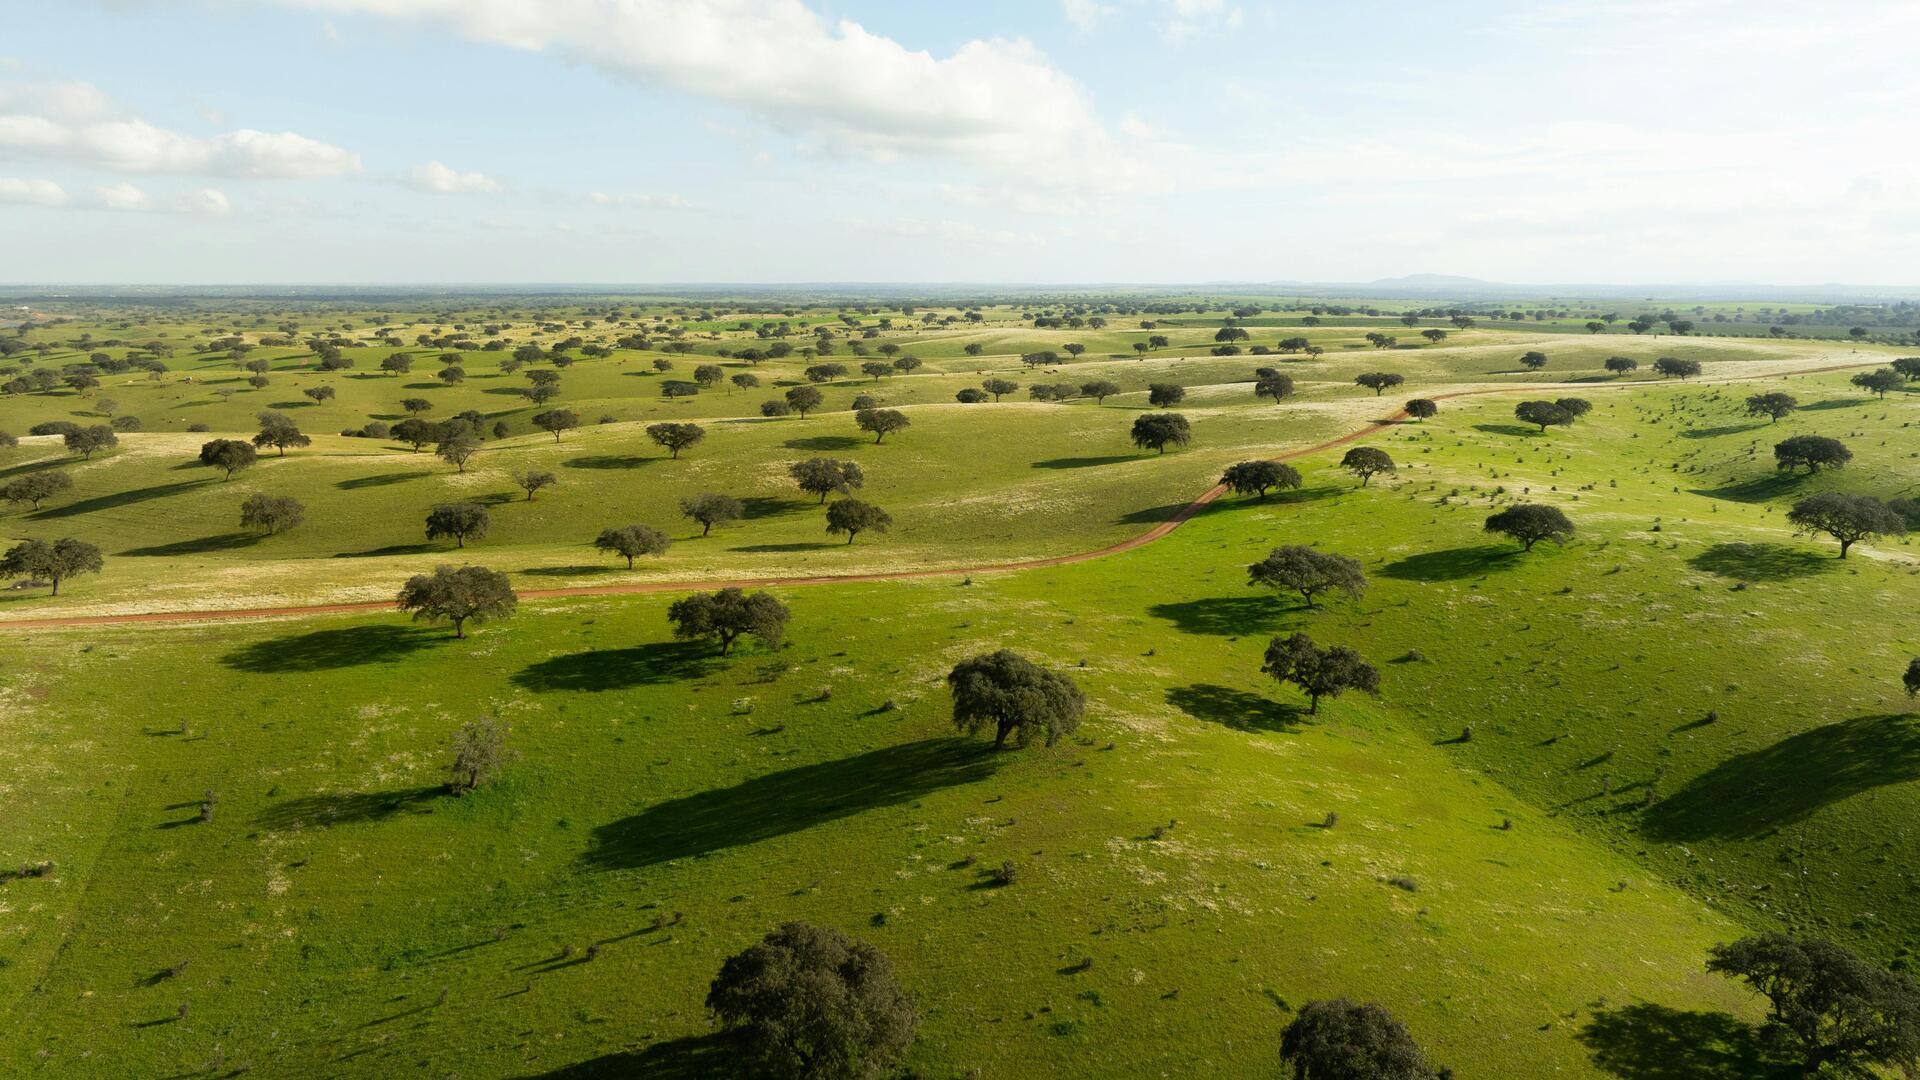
column 1158, row 531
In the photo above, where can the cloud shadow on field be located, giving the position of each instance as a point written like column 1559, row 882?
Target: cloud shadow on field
column 1761, row 562
column 1225, row 616
column 200, row 545
column 1755, row 793
column 617, row 669
column 117, row 499
column 1237, row 709
column 330, row 650
column 1653, row 1042
column 789, row 801
column 346, row 809
column 1452, row 564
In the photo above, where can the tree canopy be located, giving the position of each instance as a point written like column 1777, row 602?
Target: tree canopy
column 1422, row 408
column 1157, row 431
column 1847, row 518
column 228, row 455
column 1842, row 1012
column 676, row 436
column 631, row 541
column 1015, row 697
column 1339, row 1040
column 1530, row 523
column 726, row 615
column 809, row 1001
column 1773, row 405
column 38, row 560
column 1366, row 461
column 710, row 509
column 825, row 476
column 1318, row 672
column 1544, row 413
column 271, row 514
column 1257, row 477
column 556, row 421
column 1308, row 572
column 1379, row 381
column 458, row 595
column 853, row 517
column 1813, row 451
column 882, row 422
column 462, row 521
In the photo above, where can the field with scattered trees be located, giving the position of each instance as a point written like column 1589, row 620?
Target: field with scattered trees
column 1106, row 684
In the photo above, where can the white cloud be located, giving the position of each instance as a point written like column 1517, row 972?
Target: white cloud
column 77, row 122
column 31, row 192
column 640, row 199
column 1085, row 14
column 441, row 180
column 123, row 196
column 206, row 202
column 989, row 101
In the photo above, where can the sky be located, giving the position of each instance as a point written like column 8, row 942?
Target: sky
column 1044, row 141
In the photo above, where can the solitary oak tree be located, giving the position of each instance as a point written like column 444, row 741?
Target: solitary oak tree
column 853, row 517
column 1847, row 518
column 1422, row 408
column 1531, row 523
column 1308, row 572
column 1165, row 395
column 1273, row 385
column 997, row 387
column 824, row 476
column 676, row 436
column 1257, row 477
column 1366, row 461
column 37, row 560
column 726, row 615
column 556, row 421
column 532, row 480
column 804, row 399
column 1339, row 1040
column 1813, row 451
column 631, row 541
column 808, row 1001
column 710, row 509
column 1015, row 697
column 1842, row 1012
column 1099, row 390
column 271, row 514
column 461, row 521
column 1544, row 413
column 35, row 487
column 459, row 596
column 882, row 422
column 228, row 455
column 279, row 431
column 1379, row 381
column 1157, row 431
column 1319, row 672
column 1773, row 405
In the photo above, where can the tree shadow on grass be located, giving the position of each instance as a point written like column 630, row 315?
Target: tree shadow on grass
column 1154, row 515
column 787, row 802
column 1084, row 462
column 1226, row 616
column 762, row 506
column 349, row 808
column 1760, row 562
column 328, row 650
column 1653, row 1042
column 695, row 1057
column 391, row 549
column 1836, row 403
column 1232, row 708
column 117, row 499
column 1757, row 792
column 1507, row 429
column 1759, row 489
column 824, row 442
column 1716, row 432
column 617, row 669
column 199, row 546
column 804, row 545
column 570, row 571
column 1452, row 564
column 608, row 461
column 381, row 480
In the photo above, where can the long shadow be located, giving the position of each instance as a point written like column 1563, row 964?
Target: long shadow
column 1154, row 515
column 118, row 499
column 1760, row 489
column 1716, row 432
column 1760, row 562
column 569, row 571
column 824, row 442
column 804, row 545
column 390, row 549
column 1506, row 429
column 329, row 650
column 1836, row 403
column 1083, row 462
column 1653, row 1042
column 1757, row 792
column 1451, row 564
column 695, row 1057
column 199, row 546
column 43, row 464
column 763, row 506
column 382, row 480
column 311, row 810
column 787, row 802
column 616, row 669
column 608, row 461
column 1227, row 616
column 1232, row 708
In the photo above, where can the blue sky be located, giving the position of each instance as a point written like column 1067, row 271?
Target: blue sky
column 1048, row 141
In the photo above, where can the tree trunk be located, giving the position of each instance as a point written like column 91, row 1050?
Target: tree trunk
column 1313, row 704
column 1000, row 735
column 460, row 627
column 1844, row 545
column 629, row 562
column 850, row 535
column 56, row 586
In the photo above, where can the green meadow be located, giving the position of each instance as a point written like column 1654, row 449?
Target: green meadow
column 1587, row 763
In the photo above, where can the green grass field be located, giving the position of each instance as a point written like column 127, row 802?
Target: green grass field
column 1514, row 895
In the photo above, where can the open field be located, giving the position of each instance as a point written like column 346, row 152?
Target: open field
column 1586, row 765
